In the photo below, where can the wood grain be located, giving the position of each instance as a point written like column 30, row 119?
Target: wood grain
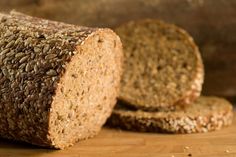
column 116, row 143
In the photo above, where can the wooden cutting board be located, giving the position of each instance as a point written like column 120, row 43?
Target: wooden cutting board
column 117, row 143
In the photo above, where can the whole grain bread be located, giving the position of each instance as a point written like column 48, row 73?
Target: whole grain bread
column 205, row 114
column 58, row 82
column 162, row 65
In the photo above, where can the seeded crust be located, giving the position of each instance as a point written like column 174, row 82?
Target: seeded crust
column 162, row 65
column 58, row 82
column 204, row 115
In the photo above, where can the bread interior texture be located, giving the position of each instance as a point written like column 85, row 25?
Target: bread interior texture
column 160, row 64
column 87, row 91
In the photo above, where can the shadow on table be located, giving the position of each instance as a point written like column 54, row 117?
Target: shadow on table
column 11, row 148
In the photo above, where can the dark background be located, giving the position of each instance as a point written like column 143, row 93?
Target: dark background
column 212, row 23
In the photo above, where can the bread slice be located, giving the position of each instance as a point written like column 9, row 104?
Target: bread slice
column 205, row 114
column 162, row 65
column 58, row 82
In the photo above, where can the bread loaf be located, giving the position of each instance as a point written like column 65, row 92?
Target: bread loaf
column 162, row 65
column 205, row 114
column 58, row 82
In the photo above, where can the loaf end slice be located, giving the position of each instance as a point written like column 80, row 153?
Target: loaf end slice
column 87, row 92
column 162, row 65
column 204, row 115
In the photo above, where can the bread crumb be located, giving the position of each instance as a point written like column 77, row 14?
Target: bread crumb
column 227, row 151
column 186, row 147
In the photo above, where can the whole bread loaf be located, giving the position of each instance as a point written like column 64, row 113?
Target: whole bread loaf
column 204, row 115
column 58, row 82
column 162, row 65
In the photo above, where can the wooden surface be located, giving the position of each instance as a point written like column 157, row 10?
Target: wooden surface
column 116, row 143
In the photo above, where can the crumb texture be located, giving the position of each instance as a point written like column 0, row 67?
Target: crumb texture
column 162, row 65
column 204, row 115
column 37, row 79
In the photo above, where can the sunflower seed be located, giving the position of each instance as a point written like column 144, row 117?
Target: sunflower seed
column 10, row 44
column 28, row 67
column 5, row 51
column 19, row 55
column 51, row 56
column 23, row 59
column 51, row 72
column 37, row 49
column 36, row 68
column 22, row 66
column 18, row 40
column 46, row 48
column 11, row 53
column 11, row 38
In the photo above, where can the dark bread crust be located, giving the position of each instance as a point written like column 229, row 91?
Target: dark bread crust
column 204, row 115
column 127, row 33
column 35, row 54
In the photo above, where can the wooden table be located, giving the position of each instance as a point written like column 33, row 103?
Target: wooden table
column 116, row 143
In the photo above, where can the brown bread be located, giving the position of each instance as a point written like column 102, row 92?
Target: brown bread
column 205, row 114
column 58, row 82
column 162, row 65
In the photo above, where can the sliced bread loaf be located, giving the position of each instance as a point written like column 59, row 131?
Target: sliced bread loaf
column 205, row 114
column 162, row 65
column 58, row 82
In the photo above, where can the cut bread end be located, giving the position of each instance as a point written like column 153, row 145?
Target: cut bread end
column 162, row 65
column 87, row 92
